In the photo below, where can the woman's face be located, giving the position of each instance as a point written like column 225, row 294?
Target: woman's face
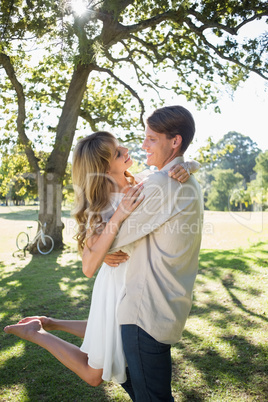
column 120, row 162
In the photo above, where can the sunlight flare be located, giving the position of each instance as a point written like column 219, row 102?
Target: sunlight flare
column 79, row 7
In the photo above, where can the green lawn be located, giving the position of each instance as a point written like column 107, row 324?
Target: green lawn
column 222, row 355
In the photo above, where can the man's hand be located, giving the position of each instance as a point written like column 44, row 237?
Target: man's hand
column 113, row 260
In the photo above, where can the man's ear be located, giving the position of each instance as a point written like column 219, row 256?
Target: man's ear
column 177, row 141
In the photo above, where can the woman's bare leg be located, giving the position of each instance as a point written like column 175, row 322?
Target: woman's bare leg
column 75, row 327
column 68, row 354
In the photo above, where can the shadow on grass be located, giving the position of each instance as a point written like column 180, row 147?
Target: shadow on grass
column 213, row 265
column 247, row 371
column 25, row 214
column 53, row 286
column 226, row 354
column 18, row 213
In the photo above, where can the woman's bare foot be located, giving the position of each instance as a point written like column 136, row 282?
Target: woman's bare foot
column 28, row 331
column 46, row 322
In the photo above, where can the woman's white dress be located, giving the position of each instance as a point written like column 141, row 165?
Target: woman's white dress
column 102, row 341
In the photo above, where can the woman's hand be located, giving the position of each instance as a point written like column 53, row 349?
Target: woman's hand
column 180, row 172
column 129, row 203
column 113, row 260
column 97, row 246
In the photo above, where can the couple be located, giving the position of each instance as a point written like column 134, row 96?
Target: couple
column 148, row 233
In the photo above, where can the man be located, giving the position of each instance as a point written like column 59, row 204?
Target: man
column 165, row 234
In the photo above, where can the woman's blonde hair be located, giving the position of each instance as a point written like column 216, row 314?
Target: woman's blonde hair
column 92, row 185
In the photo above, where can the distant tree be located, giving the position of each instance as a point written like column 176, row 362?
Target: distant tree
column 67, row 191
column 240, row 158
column 240, row 199
column 261, row 168
column 17, row 183
column 208, row 156
column 258, row 188
column 220, row 192
column 205, row 177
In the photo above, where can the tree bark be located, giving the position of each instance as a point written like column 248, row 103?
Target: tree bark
column 57, row 161
column 50, row 198
column 50, row 183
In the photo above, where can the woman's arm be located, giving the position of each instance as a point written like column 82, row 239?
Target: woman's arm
column 182, row 171
column 97, row 246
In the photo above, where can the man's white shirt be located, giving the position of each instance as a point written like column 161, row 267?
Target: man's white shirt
column 163, row 236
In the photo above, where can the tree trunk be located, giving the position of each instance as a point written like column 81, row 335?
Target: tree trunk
column 50, row 183
column 50, row 198
column 58, row 158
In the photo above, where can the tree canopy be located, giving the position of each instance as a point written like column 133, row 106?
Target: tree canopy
column 241, row 156
column 99, row 64
column 16, row 181
column 238, row 155
column 258, row 188
column 222, row 187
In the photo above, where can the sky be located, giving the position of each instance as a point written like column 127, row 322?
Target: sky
column 246, row 113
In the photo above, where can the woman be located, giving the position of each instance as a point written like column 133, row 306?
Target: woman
column 105, row 195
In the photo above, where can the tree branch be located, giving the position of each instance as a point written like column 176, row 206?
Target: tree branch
column 113, row 31
column 198, row 31
column 118, row 6
column 68, row 119
column 229, row 58
column 153, row 47
column 256, row 16
column 6, row 63
column 172, row 15
column 137, row 68
column 86, row 115
column 129, row 59
column 208, row 24
column 128, row 87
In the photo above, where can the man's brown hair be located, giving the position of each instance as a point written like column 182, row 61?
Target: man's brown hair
column 172, row 121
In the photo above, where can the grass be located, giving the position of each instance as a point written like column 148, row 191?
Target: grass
column 221, row 357
column 223, row 353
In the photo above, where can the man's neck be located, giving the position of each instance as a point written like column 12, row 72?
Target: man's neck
column 169, row 161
